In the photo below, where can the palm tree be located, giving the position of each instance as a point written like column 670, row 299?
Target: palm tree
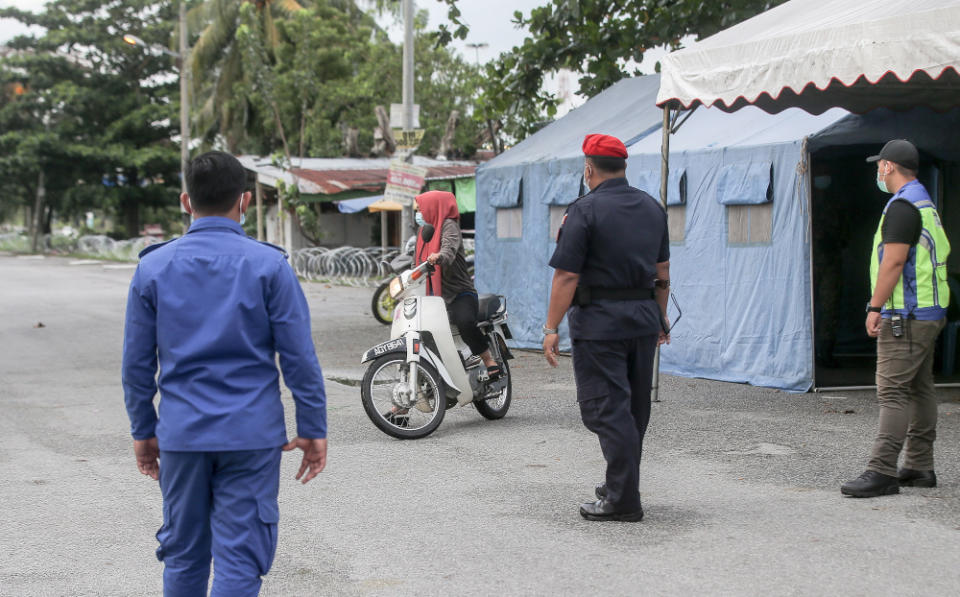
column 217, row 64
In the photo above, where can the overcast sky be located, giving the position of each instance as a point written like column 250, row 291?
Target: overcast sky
column 489, row 21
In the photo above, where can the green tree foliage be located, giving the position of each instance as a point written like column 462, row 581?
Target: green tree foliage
column 92, row 113
column 307, row 76
column 602, row 40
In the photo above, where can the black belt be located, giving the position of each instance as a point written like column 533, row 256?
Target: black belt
column 587, row 294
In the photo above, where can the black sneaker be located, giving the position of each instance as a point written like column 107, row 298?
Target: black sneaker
column 871, row 484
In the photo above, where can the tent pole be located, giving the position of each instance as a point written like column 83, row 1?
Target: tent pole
column 805, row 179
column 383, row 232
column 664, row 175
column 259, row 189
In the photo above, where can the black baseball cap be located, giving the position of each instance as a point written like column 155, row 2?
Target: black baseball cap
column 899, row 151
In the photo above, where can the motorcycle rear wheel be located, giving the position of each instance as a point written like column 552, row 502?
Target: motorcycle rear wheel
column 378, row 388
column 496, row 408
column 383, row 304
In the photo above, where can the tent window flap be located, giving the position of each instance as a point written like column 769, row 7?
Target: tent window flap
column 745, row 184
column 505, row 192
column 562, row 189
column 649, row 181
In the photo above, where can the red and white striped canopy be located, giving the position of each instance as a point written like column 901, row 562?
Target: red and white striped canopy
column 818, row 54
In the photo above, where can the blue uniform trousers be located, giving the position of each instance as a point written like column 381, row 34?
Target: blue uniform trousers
column 219, row 504
column 613, row 390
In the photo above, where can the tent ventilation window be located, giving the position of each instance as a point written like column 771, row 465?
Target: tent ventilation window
column 749, row 224
column 556, row 219
column 510, row 222
column 747, row 192
column 509, row 203
column 677, row 222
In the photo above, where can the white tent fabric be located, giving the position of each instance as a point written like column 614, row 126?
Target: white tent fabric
column 816, row 54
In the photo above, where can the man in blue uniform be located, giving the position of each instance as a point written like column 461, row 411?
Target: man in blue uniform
column 612, row 265
column 212, row 309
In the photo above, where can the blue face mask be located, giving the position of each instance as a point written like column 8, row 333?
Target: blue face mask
column 243, row 215
column 419, row 218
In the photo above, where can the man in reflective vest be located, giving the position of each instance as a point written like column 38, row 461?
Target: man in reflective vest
column 908, row 275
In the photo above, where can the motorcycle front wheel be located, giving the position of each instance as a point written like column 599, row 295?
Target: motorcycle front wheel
column 381, row 393
column 383, row 304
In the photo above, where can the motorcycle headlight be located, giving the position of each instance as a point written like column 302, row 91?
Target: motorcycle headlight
column 396, row 287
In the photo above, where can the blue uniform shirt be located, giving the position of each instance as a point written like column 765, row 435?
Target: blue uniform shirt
column 213, row 308
column 613, row 236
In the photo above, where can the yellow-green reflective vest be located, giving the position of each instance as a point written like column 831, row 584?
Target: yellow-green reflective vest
column 921, row 291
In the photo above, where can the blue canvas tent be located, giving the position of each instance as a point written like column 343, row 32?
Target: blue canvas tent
column 740, row 212
column 522, row 194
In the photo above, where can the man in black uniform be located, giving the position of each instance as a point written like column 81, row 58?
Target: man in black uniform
column 612, row 265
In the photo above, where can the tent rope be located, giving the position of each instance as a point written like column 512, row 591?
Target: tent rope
column 803, row 167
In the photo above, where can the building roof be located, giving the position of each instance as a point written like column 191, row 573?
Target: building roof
column 329, row 176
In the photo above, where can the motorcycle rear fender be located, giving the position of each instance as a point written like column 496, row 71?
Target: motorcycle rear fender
column 503, row 335
column 399, row 345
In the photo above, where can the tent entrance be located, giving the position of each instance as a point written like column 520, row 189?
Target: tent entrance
column 846, row 206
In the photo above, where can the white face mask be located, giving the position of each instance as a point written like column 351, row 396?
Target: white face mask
column 418, row 216
column 243, row 216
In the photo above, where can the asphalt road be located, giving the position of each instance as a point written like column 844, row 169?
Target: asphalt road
column 740, row 484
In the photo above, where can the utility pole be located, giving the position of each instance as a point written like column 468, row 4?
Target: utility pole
column 406, row 216
column 184, row 110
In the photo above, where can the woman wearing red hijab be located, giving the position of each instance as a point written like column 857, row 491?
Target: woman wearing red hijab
column 452, row 279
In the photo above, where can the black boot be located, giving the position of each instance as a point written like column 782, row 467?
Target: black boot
column 871, row 484
column 911, row 478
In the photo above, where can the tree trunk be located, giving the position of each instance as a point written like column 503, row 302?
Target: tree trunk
column 383, row 142
column 351, row 141
column 303, row 127
column 283, row 136
column 446, row 142
column 131, row 217
column 38, row 212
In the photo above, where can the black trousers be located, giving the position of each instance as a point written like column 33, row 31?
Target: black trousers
column 613, row 390
column 463, row 314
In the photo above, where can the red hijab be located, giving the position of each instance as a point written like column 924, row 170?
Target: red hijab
column 436, row 206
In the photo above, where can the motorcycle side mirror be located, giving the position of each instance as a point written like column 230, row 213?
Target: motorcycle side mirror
column 426, row 232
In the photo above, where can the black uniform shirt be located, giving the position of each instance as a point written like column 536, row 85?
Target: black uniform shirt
column 613, row 237
column 902, row 223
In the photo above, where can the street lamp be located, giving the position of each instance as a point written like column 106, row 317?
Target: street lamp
column 184, row 68
column 476, row 48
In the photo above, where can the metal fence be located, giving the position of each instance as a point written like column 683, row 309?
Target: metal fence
column 353, row 266
column 102, row 247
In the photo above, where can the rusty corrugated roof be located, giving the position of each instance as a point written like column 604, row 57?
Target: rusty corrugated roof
column 374, row 179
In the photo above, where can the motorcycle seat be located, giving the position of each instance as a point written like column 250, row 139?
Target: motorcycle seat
column 489, row 305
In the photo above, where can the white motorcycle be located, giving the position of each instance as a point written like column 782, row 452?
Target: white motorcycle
column 426, row 368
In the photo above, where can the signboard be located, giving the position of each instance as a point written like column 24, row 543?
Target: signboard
column 404, row 181
column 396, row 116
column 408, row 139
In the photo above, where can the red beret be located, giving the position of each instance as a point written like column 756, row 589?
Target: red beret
column 604, row 146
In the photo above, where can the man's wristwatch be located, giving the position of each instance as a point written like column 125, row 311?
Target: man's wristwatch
column 547, row 331
column 871, row 309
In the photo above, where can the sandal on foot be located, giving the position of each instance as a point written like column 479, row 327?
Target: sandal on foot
column 494, row 373
column 398, row 419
